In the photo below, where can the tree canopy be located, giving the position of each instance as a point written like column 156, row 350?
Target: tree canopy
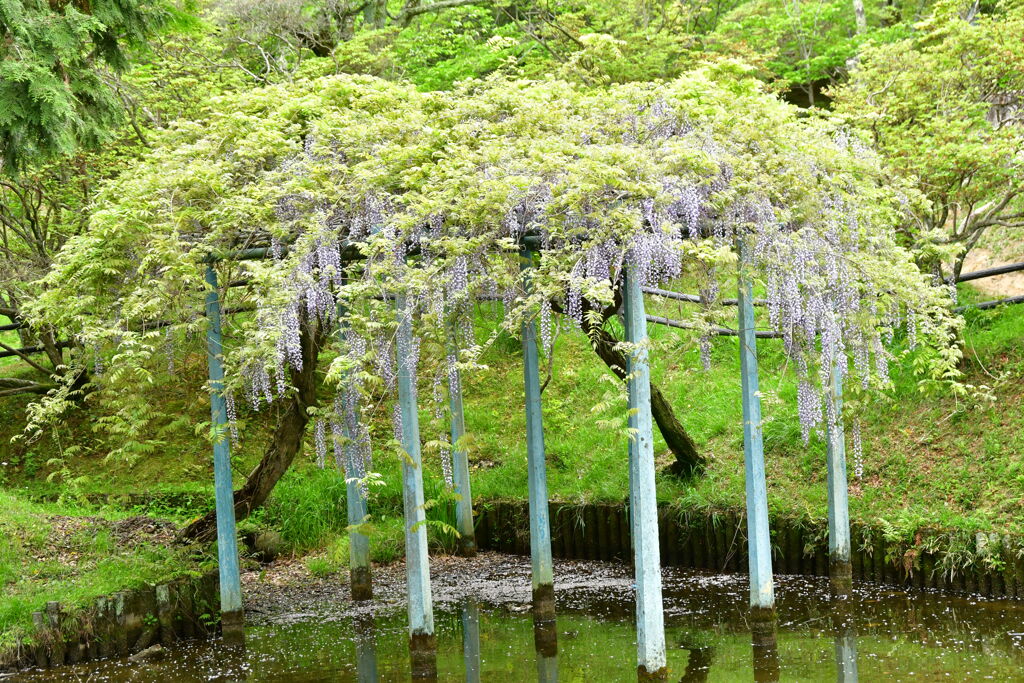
column 54, row 95
column 942, row 107
column 435, row 192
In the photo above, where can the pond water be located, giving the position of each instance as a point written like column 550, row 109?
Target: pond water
column 878, row 634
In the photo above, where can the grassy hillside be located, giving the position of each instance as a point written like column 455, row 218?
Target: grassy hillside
column 928, row 462
column 67, row 553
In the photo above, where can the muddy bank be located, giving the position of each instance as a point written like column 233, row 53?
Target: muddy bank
column 285, row 591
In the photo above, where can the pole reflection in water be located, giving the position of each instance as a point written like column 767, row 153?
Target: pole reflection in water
column 471, row 640
column 766, row 651
column 366, row 649
column 545, row 640
column 423, row 654
column 846, row 655
column 846, row 643
column 698, row 665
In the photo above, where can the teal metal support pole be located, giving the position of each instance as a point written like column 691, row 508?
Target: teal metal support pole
column 360, row 572
column 840, row 566
column 422, row 645
column 762, row 592
column 460, row 464
column 540, row 528
column 650, row 616
column 471, row 640
column 232, row 615
column 360, row 569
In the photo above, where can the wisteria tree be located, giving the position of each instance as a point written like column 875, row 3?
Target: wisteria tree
column 363, row 192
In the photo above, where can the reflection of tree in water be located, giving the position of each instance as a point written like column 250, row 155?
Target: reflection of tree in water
column 698, row 665
column 700, row 645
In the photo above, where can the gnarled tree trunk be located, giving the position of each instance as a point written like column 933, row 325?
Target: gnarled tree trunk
column 284, row 445
column 689, row 462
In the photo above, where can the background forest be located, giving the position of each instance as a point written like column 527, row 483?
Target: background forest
column 89, row 90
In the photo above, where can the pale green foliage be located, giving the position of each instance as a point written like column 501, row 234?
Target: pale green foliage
column 803, row 43
column 935, row 105
column 469, row 156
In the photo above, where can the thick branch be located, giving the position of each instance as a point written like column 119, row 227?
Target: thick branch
column 20, row 354
column 30, row 389
column 689, row 461
column 284, row 445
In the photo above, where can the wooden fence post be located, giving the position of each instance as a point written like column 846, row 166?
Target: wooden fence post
column 540, row 527
column 231, row 614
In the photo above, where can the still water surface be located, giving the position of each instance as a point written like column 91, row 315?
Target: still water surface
column 877, row 635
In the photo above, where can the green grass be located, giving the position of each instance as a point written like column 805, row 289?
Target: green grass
column 50, row 552
column 10, row 338
column 929, row 461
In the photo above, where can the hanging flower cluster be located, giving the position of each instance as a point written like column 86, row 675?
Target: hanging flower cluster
column 366, row 192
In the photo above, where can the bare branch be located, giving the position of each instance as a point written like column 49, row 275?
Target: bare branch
column 409, row 13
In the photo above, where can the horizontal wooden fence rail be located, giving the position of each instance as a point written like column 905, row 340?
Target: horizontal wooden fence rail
column 717, row 331
column 991, row 272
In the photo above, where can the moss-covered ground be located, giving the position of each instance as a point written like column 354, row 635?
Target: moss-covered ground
column 68, row 553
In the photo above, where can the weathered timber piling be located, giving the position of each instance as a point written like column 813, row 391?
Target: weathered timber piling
column 650, row 616
column 696, row 538
column 540, row 527
column 232, row 615
column 422, row 644
column 39, row 652
column 619, row 541
column 762, row 591
column 604, row 544
column 120, row 624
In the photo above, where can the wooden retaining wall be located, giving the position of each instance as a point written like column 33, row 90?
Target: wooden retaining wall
column 719, row 543
column 121, row 624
